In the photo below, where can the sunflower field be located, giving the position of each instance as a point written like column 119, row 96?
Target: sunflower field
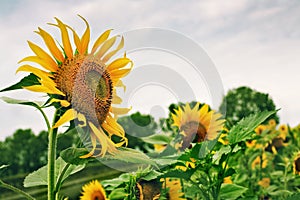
column 90, row 152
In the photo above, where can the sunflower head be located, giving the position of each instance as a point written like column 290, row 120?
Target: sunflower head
column 81, row 82
column 296, row 164
column 93, row 191
column 197, row 124
column 174, row 189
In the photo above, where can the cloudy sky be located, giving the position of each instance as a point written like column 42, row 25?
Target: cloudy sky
column 253, row 43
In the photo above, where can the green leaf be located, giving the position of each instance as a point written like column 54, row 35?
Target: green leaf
column 294, row 197
column 9, row 100
column 72, row 155
column 243, row 130
column 280, row 193
column 111, row 184
column 231, row 191
column 39, row 177
column 29, row 80
column 151, row 175
column 177, row 173
column 157, row 139
column 130, row 156
column 224, row 150
column 36, row 178
column 118, row 193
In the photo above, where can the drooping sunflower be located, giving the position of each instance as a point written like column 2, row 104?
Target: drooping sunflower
column 197, row 124
column 93, row 191
column 82, row 82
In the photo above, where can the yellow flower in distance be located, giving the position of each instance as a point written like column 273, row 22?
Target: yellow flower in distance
column 93, row 191
column 264, row 182
column 283, row 131
column 272, row 123
column 258, row 130
column 227, row 180
column 83, row 82
column 257, row 161
column 197, row 124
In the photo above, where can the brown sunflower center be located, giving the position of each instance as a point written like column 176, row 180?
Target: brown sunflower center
column 87, row 85
column 297, row 165
column 97, row 195
column 194, row 132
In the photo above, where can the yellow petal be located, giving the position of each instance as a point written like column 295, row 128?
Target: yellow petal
column 100, row 40
column 119, row 63
column 69, row 115
column 86, row 36
column 65, row 38
column 51, row 86
column 63, row 103
column 81, row 118
column 40, row 88
column 94, row 143
column 120, row 111
column 106, row 143
column 49, row 41
column 116, row 99
column 112, row 53
column 76, row 41
column 106, row 46
column 119, row 73
column 45, row 56
column 37, row 60
column 40, row 73
column 120, row 84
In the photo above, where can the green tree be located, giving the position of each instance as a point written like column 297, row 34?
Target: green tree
column 243, row 101
column 136, row 126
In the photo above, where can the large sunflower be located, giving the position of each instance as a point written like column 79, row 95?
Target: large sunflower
column 83, row 82
column 197, row 124
column 93, row 191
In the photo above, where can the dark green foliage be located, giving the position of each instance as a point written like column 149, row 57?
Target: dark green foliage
column 25, row 152
column 243, row 101
column 137, row 126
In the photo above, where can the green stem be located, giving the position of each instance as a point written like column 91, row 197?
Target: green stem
column 60, row 177
column 52, row 139
column 17, row 190
column 45, row 118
